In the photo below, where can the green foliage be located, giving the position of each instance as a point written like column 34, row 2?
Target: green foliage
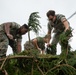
column 33, row 22
column 64, row 41
column 32, row 63
column 64, row 37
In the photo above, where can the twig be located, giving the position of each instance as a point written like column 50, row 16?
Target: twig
column 3, row 63
column 32, row 69
column 40, row 70
column 17, row 56
column 58, row 67
column 5, row 72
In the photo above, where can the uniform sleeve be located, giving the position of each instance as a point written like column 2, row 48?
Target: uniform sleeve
column 61, row 17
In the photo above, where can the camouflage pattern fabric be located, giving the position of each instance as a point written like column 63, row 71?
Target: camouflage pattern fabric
column 57, row 25
column 58, row 30
column 40, row 43
column 3, row 44
column 13, row 45
column 54, row 43
column 28, row 46
column 13, row 28
column 4, row 41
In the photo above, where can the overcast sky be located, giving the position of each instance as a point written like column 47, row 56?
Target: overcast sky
column 19, row 11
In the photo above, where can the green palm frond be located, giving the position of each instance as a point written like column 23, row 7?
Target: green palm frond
column 34, row 23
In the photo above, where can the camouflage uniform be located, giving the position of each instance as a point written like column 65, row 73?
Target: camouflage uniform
column 58, row 30
column 5, row 41
column 40, row 43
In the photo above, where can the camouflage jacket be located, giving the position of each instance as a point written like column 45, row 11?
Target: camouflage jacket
column 13, row 30
column 41, row 42
column 57, row 25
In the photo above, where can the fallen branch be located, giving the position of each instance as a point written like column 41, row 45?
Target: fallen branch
column 3, row 63
column 58, row 67
column 5, row 72
column 17, row 56
column 40, row 70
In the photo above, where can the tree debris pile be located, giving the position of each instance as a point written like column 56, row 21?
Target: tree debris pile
column 31, row 63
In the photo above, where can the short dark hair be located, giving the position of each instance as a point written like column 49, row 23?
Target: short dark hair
column 26, row 26
column 50, row 12
column 47, row 36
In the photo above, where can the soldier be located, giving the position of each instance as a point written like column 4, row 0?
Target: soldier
column 60, row 25
column 37, row 43
column 11, row 34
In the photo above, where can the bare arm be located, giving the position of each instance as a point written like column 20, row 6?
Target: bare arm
column 18, row 47
column 7, row 28
column 35, row 43
column 65, row 23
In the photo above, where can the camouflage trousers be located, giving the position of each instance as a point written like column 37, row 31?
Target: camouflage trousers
column 54, row 43
column 4, row 42
column 28, row 46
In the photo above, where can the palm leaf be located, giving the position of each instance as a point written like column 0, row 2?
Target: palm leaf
column 34, row 23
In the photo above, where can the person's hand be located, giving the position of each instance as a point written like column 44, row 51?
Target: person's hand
column 10, row 36
column 39, row 49
column 48, row 44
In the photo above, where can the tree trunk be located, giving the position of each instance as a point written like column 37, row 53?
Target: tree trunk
column 29, row 37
